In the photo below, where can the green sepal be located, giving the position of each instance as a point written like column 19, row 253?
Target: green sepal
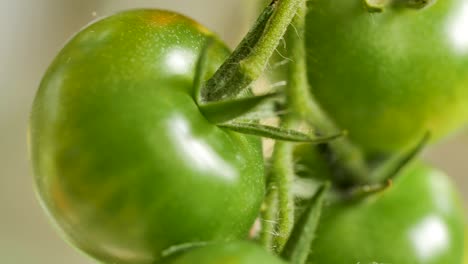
column 180, row 248
column 392, row 166
column 382, row 176
column 277, row 133
column 227, row 110
column 366, row 190
column 297, row 248
column 414, row 4
column 378, row 6
column 201, row 70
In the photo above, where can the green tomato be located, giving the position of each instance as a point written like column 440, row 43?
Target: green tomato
column 418, row 220
column 389, row 77
column 239, row 252
column 124, row 161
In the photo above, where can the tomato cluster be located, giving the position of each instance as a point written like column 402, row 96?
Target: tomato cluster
column 132, row 169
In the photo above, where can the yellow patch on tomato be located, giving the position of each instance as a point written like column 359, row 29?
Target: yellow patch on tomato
column 166, row 18
column 163, row 19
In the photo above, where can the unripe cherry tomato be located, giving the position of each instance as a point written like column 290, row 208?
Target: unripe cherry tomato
column 389, row 77
column 418, row 220
column 125, row 163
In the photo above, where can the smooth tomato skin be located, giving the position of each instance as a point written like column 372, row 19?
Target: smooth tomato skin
column 124, row 161
column 419, row 220
column 389, row 77
column 238, row 252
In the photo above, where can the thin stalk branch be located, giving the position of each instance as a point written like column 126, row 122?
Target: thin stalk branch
column 301, row 101
column 283, row 177
column 269, row 216
column 250, row 58
column 283, row 165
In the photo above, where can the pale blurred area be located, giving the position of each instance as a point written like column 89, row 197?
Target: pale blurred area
column 31, row 33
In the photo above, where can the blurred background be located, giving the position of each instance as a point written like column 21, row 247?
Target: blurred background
column 31, row 33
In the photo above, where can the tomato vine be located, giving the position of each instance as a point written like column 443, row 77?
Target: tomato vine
column 144, row 150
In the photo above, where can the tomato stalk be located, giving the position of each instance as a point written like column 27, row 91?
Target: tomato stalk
column 282, row 170
column 303, row 106
column 282, row 176
column 348, row 159
column 227, row 107
column 249, row 59
column 269, row 217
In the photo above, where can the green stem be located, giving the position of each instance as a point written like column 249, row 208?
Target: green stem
column 303, row 107
column 269, row 217
column 282, row 177
column 301, row 101
column 283, row 165
column 250, row 58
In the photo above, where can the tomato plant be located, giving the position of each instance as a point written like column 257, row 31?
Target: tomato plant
column 143, row 152
column 125, row 162
column 240, row 252
column 389, row 77
column 417, row 220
